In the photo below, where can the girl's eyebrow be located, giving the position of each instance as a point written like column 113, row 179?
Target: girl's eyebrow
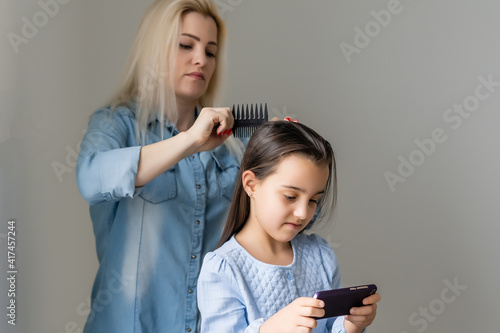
column 300, row 189
column 196, row 38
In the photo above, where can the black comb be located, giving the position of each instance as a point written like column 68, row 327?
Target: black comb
column 246, row 119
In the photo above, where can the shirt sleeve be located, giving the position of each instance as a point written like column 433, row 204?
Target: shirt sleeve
column 106, row 167
column 220, row 301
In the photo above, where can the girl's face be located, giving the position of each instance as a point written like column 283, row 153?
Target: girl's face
column 196, row 57
column 283, row 203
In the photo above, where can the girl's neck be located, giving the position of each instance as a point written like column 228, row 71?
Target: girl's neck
column 264, row 248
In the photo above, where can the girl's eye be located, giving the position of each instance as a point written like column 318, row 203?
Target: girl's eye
column 184, row 46
column 314, row 201
column 289, row 198
column 210, row 54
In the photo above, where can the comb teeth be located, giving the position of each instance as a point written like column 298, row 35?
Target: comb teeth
column 246, row 120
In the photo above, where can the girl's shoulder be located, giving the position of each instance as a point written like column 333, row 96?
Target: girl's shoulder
column 226, row 261
column 232, row 258
column 311, row 240
column 314, row 245
column 227, row 252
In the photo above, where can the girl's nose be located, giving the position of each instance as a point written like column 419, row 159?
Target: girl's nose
column 301, row 211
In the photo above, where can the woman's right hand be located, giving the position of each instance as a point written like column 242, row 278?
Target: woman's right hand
column 211, row 128
column 209, row 131
column 295, row 317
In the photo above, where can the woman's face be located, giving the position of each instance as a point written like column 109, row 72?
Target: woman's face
column 196, row 57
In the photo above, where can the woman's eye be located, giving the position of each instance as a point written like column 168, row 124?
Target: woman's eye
column 314, row 201
column 289, row 198
column 210, row 54
column 184, row 46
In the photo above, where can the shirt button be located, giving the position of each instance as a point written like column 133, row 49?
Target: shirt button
column 192, row 156
column 190, row 291
column 198, row 186
column 198, row 222
column 189, row 330
column 289, row 276
column 193, row 256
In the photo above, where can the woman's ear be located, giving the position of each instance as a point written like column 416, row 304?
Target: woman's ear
column 249, row 181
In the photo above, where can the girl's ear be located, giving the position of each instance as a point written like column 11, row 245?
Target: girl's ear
column 249, row 181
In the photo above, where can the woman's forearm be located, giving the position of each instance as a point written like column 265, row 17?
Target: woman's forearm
column 158, row 157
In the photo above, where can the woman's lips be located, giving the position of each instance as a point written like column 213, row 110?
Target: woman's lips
column 197, row 75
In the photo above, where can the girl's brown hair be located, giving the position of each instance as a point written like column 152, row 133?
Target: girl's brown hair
column 270, row 143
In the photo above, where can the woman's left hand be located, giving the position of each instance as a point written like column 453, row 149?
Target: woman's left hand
column 285, row 119
column 362, row 317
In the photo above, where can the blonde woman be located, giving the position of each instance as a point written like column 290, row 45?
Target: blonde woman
column 156, row 174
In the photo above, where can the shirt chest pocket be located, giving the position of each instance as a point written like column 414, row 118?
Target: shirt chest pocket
column 160, row 189
column 227, row 168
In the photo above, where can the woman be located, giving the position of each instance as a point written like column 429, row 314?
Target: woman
column 156, row 175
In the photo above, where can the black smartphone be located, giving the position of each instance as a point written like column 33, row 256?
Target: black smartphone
column 338, row 302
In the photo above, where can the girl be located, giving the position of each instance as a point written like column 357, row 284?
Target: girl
column 260, row 278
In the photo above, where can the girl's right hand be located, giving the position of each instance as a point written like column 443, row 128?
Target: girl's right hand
column 295, row 317
column 211, row 128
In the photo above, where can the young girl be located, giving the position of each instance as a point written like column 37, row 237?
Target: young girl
column 262, row 277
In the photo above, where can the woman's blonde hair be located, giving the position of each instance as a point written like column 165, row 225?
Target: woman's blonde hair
column 148, row 79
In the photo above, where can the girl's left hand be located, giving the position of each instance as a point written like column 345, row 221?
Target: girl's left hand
column 361, row 317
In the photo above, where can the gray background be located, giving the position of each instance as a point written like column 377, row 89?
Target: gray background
column 438, row 227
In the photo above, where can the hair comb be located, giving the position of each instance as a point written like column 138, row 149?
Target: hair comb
column 246, row 119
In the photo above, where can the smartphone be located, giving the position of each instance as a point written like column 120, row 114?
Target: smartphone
column 338, row 302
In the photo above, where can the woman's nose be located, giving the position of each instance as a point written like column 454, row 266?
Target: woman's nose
column 199, row 57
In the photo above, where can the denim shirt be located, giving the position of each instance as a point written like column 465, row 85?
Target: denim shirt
column 150, row 241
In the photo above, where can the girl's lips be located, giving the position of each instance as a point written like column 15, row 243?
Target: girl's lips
column 293, row 225
column 197, row 75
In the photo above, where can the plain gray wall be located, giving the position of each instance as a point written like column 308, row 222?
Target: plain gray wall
column 384, row 81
